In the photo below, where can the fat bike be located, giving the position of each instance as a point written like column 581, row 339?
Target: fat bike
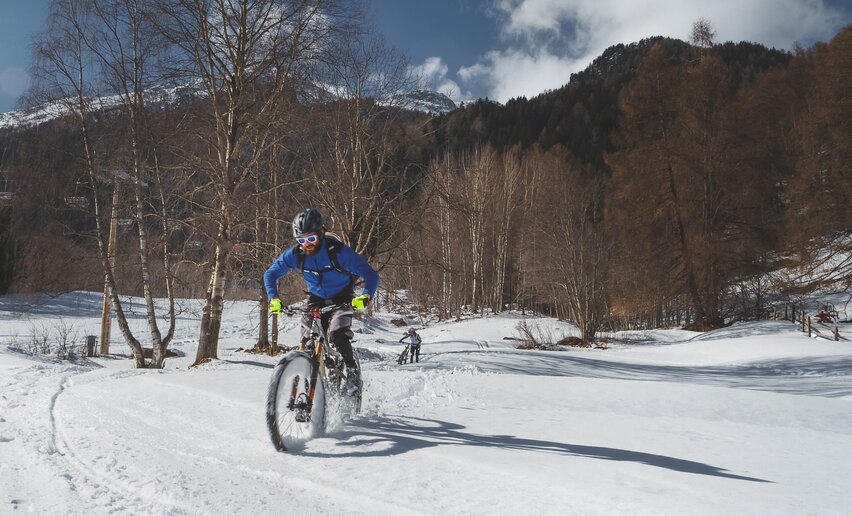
column 305, row 384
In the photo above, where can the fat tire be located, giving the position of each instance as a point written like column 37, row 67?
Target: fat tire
column 284, row 430
column 349, row 405
column 357, row 408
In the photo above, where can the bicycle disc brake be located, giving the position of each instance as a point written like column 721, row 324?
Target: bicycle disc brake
column 300, row 403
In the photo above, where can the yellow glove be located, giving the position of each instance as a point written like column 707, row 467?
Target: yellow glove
column 275, row 307
column 361, row 302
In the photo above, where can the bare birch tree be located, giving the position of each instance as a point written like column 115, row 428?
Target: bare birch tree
column 575, row 249
column 368, row 195
column 246, row 56
column 65, row 76
column 126, row 46
column 510, row 176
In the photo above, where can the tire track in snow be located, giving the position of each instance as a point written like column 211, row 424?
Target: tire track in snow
column 52, row 414
column 249, row 477
column 342, row 497
column 103, row 485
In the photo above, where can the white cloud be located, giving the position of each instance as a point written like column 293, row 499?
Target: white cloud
column 514, row 73
column 432, row 75
column 14, row 81
column 547, row 40
column 432, row 68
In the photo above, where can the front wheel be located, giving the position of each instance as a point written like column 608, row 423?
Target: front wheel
column 293, row 416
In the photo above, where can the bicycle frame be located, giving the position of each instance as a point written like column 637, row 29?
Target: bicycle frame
column 318, row 347
column 404, row 355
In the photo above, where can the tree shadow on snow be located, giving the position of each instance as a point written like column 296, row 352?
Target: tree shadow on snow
column 253, row 363
column 382, row 437
column 810, row 376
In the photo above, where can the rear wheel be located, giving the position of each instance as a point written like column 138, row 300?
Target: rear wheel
column 352, row 402
column 357, row 398
column 292, row 417
column 345, row 404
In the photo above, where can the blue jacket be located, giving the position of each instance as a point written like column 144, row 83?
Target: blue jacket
column 320, row 275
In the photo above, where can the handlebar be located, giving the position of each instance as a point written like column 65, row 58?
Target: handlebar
column 317, row 311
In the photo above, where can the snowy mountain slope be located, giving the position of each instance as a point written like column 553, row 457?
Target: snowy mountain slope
column 158, row 98
column 754, row 419
column 428, row 101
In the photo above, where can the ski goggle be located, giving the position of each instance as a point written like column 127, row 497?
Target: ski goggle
column 310, row 239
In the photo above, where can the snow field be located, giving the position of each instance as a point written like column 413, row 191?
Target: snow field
column 752, row 419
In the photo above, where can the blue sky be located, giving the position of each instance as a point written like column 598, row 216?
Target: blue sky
column 19, row 19
column 506, row 48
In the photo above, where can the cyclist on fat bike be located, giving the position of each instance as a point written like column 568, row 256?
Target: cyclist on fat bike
column 329, row 268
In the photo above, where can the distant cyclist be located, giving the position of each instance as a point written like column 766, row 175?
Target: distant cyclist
column 329, row 268
column 414, row 342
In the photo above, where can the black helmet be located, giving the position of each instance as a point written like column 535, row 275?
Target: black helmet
column 307, row 221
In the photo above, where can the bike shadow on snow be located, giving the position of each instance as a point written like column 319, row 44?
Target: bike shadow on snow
column 387, row 436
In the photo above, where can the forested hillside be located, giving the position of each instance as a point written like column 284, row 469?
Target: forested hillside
column 662, row 185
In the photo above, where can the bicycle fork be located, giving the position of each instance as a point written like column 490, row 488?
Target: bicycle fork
column 302, row 403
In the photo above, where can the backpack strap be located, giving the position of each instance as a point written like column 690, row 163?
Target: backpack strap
column 300, row 256
column 333, row 246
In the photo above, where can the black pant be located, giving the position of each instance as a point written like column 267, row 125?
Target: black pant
column 414, row 351
column 336, row 323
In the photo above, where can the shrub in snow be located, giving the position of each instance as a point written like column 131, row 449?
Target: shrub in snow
column 534, row 345
column 535, row 334
column 60, row 340
column 572, row 341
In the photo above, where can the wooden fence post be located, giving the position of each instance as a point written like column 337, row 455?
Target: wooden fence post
column 803, row 319
column 809, row 326
column 786, row 317
column 836, row 334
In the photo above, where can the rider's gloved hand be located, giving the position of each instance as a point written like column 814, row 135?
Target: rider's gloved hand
column 275, row 307
column 361, row 302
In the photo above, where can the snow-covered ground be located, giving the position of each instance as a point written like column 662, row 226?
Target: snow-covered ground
column 752, row 419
